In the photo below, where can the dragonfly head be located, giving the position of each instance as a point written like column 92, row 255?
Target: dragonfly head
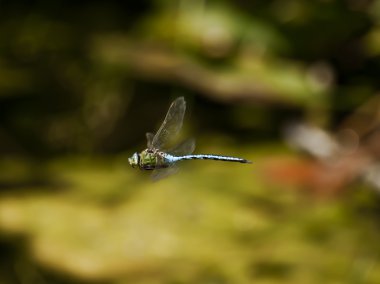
column 134, row 160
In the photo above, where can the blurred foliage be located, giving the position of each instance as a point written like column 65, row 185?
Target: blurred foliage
column 80, row 84
column 69, row 72
column 107, row 224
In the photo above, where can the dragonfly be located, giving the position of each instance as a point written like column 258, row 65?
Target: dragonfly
column 163, row 161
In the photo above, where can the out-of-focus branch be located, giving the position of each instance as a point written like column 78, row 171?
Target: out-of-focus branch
column 163, row 64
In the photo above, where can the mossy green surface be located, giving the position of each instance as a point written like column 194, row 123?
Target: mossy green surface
column 99, row 220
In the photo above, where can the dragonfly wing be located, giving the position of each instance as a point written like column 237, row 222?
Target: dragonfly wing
column 172, row 123
column 187, row 147
column 149, row 139
column 163, row 173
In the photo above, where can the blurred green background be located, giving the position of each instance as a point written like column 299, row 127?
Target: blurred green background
column 290, row 84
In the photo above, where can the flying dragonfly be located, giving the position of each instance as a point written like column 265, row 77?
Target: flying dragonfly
column 164, row 162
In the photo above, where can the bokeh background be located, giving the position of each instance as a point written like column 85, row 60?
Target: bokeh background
column 290, row 84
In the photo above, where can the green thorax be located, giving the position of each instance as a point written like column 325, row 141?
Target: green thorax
column 151, row 159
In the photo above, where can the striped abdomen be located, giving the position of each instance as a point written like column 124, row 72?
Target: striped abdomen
column 211, row 157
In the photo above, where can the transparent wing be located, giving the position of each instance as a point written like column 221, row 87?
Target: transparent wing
column 187, row 147
column 163, row 173
column 149, row 139
column 172, row 123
